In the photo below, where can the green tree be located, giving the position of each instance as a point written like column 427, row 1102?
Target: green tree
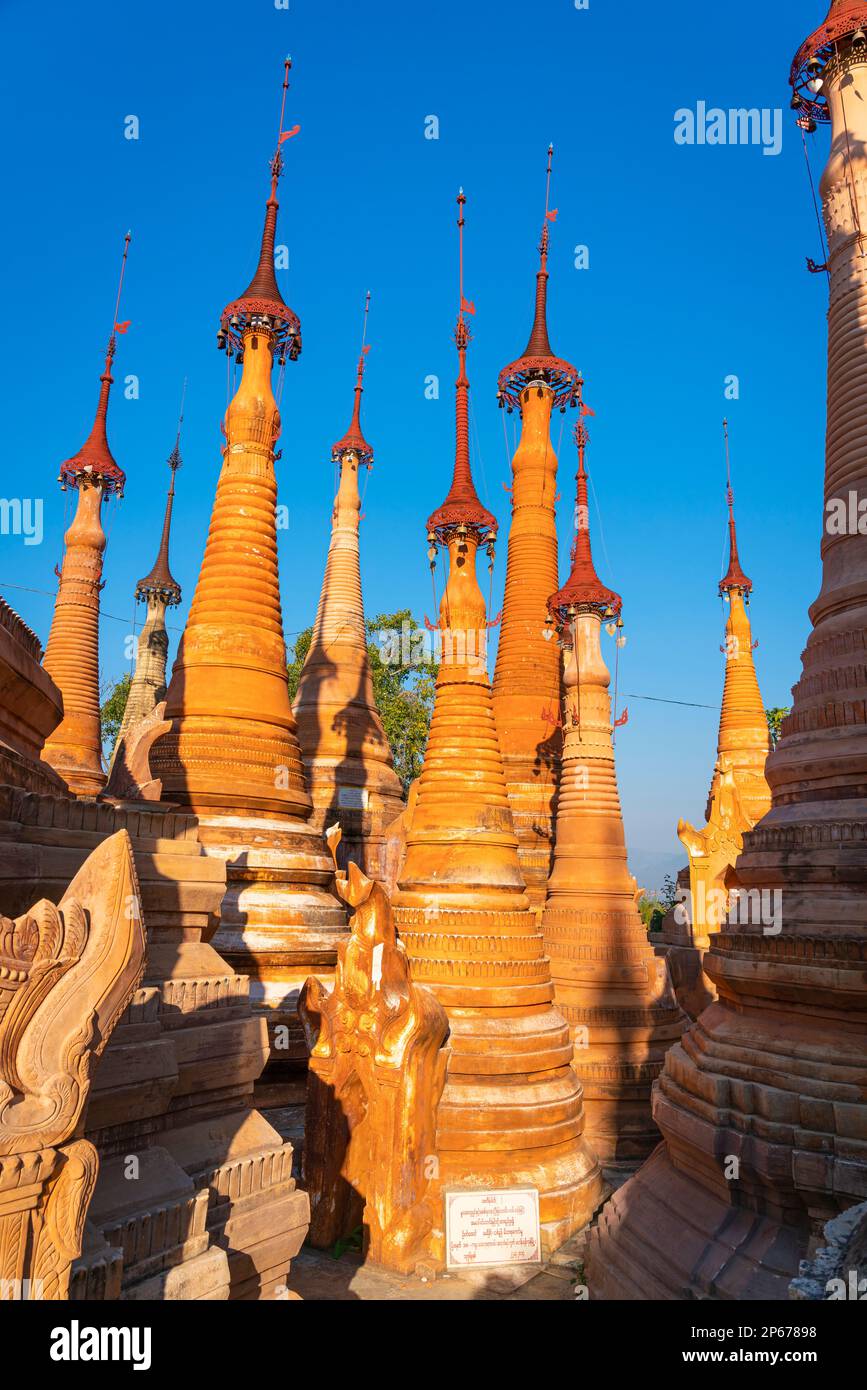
column 112, row 710
column 299, row 656
column 775, row 718
column 404, row 684
column 652, row 907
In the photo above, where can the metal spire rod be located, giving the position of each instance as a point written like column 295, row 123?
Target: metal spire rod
column 126, row 241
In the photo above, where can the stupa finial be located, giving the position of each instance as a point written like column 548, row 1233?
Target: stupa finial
column 538, row 362
column 583, row 589
column 95, row 459
column 462, row 511
column 262, row 305
column 354, row 441
column 160, row 583
column 734, row 577
column 844, row 29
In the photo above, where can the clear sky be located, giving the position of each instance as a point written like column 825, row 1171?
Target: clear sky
column 696, row 272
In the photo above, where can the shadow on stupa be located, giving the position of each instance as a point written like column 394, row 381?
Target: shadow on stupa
column 548, row 754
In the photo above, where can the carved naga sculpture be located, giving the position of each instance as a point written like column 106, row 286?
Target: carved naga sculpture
column 377, row 1069
column 66, row 975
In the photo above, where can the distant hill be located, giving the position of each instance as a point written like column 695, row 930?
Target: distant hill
column 650, row 866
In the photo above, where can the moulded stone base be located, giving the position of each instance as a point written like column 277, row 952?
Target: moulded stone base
column 280, row 922
column 664, row 1236
column 568, row 1179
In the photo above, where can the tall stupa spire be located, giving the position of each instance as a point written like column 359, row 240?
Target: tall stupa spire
column 739, row 793
column 734, row 578
column 231, row 753
column 462, row 507
column 527, row 673
column 347, row 756
column 159, row 591
column 262, row 305
column 614, row 993
column 763, row 1106
column 353, row 441
column 511, row 1113
column 74, row 749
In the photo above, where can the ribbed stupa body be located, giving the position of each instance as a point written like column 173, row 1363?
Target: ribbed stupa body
column 612, row 989
column 773, row 1074
column 527, row 674
column 350, row 769
column 232, row 752
column 743, row 744
column 72, row 652
column 511, row 1113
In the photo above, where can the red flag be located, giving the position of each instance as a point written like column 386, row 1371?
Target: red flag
column 366, row 349
column 467, row 306
column 585, row 410
column 122, row 327
column 552, row 215
column 624, row 719
column 287, row 134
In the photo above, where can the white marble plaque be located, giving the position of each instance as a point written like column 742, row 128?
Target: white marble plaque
column 352, row 798
column 492, row 1228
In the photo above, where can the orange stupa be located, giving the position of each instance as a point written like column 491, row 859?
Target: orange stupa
column 231, row 754
column 613, row 990
column 74, row 750
column 349, row 764
column 511, row 1113
column 527, row 673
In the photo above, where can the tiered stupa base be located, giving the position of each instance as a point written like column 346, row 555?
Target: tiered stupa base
column 654, row 1242
column 511, row 1113
column 622, row 1017
column 280, row 922
column 763, row 1106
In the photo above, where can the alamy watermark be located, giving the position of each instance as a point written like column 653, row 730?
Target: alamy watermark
column 711, row 125
column 416, row 646
column 22, row 516
column 731, row 907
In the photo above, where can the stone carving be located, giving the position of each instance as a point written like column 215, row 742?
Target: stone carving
column 130, row 776
column 66, row 975
column 377, row 1069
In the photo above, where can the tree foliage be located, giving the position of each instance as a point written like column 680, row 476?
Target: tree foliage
column 652, row 907
column 775, row 717
column 112, row 710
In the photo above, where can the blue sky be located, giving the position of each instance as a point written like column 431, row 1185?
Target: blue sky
column 697, row 271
